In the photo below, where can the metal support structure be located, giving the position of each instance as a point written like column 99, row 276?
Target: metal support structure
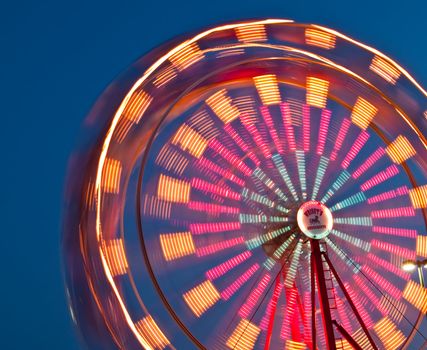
column 317, row 264
column 313, row 305
column 347, row 296
column 347, row 336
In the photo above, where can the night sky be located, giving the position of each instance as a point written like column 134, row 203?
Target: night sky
column 56, row 59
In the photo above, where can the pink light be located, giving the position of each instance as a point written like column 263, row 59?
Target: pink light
column 246, row 309
column 271, row 128
column 340, row 138
column 382, row 282
column 241, row 143
column 323, row 130
column 212, row 208
column 306, row 127
column 388, row 195
column 291, row 301
column 216, row 247
column 226, row 266
column 256, row 136
column 213, row 227
column 287, row 122
column 392, row 213
column 203, row 185
column 394, row 231
column 355, row 149
column 270, row 307
column 394, row 249
column 362, row 311
column 369, row 293
column 206, row 163
column 230, row 157
column 239, row 282
column 388, row 266
column 307, row 320
column 382, row 176
column 342, row 312
column 371, row 160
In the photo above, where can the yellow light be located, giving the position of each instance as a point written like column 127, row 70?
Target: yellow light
column 343, row 344
column 400, row 150
column 244, row 336
column 268, row 89
column 294, row 345
column 115, row 256
column 251, row 33
column 317, row 92
column 186, row 56
column 416, row 294
column 409, row 266
column 360, row 337
column 152, row 334
column 202, row 297
column 389, row 334
column 190, row 140
column 418, row 196
column 363, row 113
column 222, row 106
column 319, row 38
column 111, row 174
column 384, row 69
column 165, row 76
column 422, row 246
column 177, row 245
column 173, row 190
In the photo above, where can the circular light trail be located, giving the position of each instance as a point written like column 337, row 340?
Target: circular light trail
column 255, row 186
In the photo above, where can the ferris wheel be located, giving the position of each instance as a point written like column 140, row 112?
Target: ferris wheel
column 254, row 186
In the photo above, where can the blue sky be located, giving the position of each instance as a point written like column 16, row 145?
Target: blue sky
column 56, row 59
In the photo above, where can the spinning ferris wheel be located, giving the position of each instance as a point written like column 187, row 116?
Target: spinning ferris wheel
column 256, row 186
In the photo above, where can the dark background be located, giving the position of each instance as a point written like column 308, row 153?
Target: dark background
column 56, row 57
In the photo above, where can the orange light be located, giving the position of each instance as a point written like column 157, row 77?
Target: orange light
column 363, row 113
column 187, row 56
column 418, row 196
column 190, row 140
column 90, row 195
column 268, row 89
column 416, row 294
column 422, row 246
column 251, row 33
column 222, row 106
column 151, row 332
column 173, row 190
column 202, row 297
column 360, row 337
column 165, row 76
column 317, row 92
column 395, row 309
column 111, row 174
column 177, row 245
column 132, row 113
column 294, row 345
column 116, row 256
column 157, row 208
column 390, row 336
column 384, row 69
column 319, row 38
column 400, row 150
column 172, row 160
column 343, row 344
column 244, row 336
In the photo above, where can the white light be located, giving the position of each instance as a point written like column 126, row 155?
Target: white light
column 409, row 265
column 315, row 219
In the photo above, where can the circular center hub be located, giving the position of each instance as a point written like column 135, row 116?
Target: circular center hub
column 314, row 219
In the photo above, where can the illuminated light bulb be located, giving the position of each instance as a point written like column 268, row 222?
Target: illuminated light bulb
column 409, row 265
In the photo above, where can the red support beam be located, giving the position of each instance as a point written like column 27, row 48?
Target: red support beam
column 347, row 296
column 317, row 264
